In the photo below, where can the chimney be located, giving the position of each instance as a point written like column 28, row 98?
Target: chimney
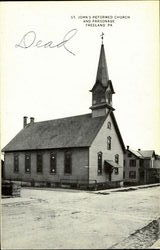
column 25, row 121
column 139, row 149
column 127, row 147
column 31, row 120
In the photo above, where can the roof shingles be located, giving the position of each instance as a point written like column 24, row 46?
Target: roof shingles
column 76, row 131
column 143, row 153
column 147, row 153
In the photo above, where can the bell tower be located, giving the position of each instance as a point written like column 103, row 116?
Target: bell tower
column 102, row 90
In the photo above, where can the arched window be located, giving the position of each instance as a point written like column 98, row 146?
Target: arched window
column 16, row 163
column 100, row 163
column 109, row 143
column 109, row 125
column 117, row 158
column 109, row 97
column 27, row 162
column 53, row 162
column 39, row 162
column 116, row 170
column 68, row 162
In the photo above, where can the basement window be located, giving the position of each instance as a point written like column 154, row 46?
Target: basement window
column 16, row 163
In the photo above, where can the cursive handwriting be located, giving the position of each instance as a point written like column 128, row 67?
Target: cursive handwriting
column 30, row 40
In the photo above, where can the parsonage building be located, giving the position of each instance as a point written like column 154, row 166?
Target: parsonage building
column 141, row 167
column 79, row 150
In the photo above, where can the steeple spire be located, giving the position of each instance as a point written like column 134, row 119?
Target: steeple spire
column 102, row 90
column 102, row 72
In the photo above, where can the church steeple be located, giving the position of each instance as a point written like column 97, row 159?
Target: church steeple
column 103, row 89
column 102, row 72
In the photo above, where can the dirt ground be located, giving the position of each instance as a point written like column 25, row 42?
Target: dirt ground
column 59, row 218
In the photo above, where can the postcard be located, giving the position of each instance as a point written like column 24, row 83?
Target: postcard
column 80, row 121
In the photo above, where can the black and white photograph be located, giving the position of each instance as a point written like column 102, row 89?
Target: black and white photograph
column 80, row 125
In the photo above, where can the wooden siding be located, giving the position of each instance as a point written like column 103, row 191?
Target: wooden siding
column 128, row 168
column 100, row 144
column 79, row 166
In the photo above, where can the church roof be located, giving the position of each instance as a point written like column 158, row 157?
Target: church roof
column 69, row 132
column 76, row 131
column 118, row 131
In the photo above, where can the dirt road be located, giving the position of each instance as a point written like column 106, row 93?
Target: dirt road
column 71, row 219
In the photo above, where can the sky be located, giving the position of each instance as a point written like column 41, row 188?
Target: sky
column 49, row 83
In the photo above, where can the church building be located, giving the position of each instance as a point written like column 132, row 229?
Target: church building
column 79, row 150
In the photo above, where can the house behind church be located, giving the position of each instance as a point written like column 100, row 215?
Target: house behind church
column 80, row 150
column 141, row 167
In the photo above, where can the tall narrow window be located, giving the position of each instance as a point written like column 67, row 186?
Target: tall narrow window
column 117, row 158
column 132, row 163
column 39, row 163
column 67, row 163
column 132, row 174
column 27, row 163
column 109, row 125
column 100, row 163
column 16, row 163
column 141, row 163
column 109, row 97
column 53, row 163
column 108, row 142
column 123, row 174
column 116, row 170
